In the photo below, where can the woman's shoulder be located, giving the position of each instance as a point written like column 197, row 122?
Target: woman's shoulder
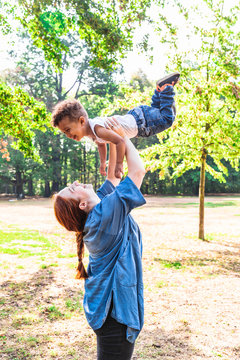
column 106, row 188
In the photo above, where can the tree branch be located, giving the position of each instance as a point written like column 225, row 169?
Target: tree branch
column 65, row 94
column 209, row 127
column 182, row 132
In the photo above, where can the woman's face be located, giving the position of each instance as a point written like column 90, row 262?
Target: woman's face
column 79, row 192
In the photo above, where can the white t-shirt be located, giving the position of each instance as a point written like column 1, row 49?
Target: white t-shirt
column 127, row 121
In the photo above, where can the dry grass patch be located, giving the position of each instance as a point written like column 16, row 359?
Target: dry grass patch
column 192, row 288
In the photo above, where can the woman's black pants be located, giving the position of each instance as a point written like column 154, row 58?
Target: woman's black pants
column 111, row 341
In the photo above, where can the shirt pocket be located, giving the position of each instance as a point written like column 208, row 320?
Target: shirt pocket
column 126, row 273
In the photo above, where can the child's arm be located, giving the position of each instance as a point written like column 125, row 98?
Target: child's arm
column 116, row 139
column 112, row 164
column 136, row 169
column 102, row 150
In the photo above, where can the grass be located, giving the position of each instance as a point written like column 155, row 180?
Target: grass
column 53, row 312
column 65, row 256
column 169, row 264
column 161, row 284
column 14, row 242
column 208, row 204
column 74, row 304
column 26, row 319
column 30, row 341
column 44, row 266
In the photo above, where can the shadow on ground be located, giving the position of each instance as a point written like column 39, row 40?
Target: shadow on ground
column 35, row 325
column 221, row 261
column 160, row 344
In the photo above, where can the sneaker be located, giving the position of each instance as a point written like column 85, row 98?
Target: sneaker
column 174, row 77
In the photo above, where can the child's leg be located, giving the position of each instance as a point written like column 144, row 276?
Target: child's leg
column 161, row 114
column 163, row 99
column 157, row 117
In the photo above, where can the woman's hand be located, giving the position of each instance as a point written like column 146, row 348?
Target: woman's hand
column 113, row 124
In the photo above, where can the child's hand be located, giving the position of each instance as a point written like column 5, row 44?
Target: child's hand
column 113, row 124
column 119, row 170
column 102, row 169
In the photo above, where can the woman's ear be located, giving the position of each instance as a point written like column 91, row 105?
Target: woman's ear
column 83, row 205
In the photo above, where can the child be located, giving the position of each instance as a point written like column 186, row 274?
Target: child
column 72, row 119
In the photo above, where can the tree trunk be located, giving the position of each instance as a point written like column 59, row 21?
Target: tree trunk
column 65, row 169
column 47, row 191
column 19, row 185
column 30, row 187
column 56, row 161
column 201, row 195
column 84, row 164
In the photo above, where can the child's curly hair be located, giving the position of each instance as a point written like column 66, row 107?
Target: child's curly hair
column 71, row 108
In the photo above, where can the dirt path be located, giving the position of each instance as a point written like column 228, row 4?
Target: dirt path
column 192, row 288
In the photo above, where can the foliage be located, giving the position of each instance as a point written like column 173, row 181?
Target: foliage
column 215, row 129
column 127, row 99
column 208, row 105
column 42, row 81
column 4, row 150
column 208, row 124
column 105, row 26
column 19, row 115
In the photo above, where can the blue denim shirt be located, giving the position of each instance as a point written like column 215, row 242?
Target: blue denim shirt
column 114, row 243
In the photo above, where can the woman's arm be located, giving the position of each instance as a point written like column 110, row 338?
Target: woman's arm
column 112, row 164
column 136, row 170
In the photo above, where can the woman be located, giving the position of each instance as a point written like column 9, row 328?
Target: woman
column 113, row 300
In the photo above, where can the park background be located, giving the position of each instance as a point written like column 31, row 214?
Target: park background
column 108, row 55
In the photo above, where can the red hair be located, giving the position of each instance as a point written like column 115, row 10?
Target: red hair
column 70, row 216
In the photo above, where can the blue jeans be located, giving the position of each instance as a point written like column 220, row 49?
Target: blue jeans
column 111, row 341
column 157, row 117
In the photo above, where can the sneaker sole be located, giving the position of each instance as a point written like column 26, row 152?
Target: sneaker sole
column 174, row 77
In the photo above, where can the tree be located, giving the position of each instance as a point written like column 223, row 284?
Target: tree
column 19, row 115
column 208, row 125
column 17, row 172
column 94, row 87
column 105, row 26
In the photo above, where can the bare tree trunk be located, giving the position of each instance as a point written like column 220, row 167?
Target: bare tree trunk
column 56, row 160
column 47, row 191
column 19, row 185
column 30, row 187
column 84, row 164
column 201, row 194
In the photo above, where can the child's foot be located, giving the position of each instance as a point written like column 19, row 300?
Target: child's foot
column 169, row 79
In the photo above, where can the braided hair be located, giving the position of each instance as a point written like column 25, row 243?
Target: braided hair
column 70, row 216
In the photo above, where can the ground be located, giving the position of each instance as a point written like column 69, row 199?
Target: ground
column 192, row 287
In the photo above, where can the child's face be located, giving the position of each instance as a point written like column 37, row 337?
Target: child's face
column 73, row 129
